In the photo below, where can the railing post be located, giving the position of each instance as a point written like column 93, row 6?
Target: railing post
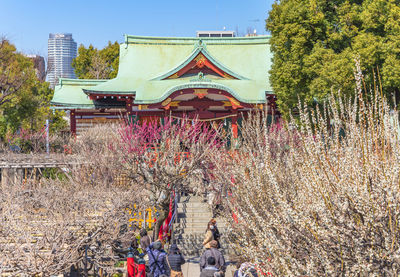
column 5, row 176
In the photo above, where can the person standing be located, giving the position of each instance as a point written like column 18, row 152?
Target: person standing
column 216, row 254
column 174, row 261
column 145, row 240
column 156, row 258
column 212, row 233
column 208, row 235
column 215, row 232
column 210, row 270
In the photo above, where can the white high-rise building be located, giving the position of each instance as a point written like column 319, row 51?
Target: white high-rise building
column 61, row 52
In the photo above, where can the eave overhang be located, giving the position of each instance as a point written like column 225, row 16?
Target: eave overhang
column 119, row 93
column 196, row 85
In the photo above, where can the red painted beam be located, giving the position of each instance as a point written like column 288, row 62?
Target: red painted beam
column 116, row 96
column 98, row 113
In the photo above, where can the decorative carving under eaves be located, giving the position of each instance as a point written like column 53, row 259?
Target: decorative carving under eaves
column 200, row 78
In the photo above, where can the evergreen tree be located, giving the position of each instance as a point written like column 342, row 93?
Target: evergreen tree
column 315, row 43
column 24, row 100
column 92, row 63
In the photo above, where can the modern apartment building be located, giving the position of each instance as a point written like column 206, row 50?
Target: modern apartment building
column 61, row 52
column 39, row 65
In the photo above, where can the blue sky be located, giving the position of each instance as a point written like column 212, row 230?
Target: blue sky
column 27, row 23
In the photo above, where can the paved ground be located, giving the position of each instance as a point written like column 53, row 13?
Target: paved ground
column 192, row 269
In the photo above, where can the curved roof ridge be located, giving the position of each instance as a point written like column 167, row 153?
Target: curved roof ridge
column 132, row 39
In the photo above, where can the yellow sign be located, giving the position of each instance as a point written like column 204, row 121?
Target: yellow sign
column 142, row 218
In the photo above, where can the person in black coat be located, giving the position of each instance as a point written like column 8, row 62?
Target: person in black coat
column 216, row 234
column 174, row 261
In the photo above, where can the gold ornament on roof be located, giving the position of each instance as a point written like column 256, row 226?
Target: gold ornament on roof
column 166, row 102
column 200, row 60
column 200, row 92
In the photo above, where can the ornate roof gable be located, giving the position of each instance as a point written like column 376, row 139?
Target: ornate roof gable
column 198, row 61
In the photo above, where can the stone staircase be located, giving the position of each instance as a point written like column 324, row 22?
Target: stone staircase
column 190, row 227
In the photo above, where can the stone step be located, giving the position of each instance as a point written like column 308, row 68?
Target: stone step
column 202, row 222
column 194, row 235
column 197, row 225
column 193, row 209
column 201, row 217
column 191, row 198
column 203, row 206
column 192, row 212
column 187, row 212
column 189, row 217
column 190, row 231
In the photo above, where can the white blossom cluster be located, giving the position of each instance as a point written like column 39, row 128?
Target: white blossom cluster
column 320, row 194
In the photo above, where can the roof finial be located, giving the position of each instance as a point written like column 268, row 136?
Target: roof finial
column 200, row 44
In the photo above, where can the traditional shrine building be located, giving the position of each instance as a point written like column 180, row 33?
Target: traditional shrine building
column 205, row 78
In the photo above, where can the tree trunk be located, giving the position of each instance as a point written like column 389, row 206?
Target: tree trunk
column 163, row 214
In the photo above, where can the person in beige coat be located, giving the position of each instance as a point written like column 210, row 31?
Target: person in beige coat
column 209, row 234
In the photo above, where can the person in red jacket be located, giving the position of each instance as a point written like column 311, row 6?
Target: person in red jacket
column 130, row 264
column 136, row 266
column 141, row 268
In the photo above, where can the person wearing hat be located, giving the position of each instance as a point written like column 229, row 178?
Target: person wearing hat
column 156, row 258
column 174, row 262
column 216, row 254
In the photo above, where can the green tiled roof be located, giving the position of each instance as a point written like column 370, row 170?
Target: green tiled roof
column 68, row 93
column 144, row 61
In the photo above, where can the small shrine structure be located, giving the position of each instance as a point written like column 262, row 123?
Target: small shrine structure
column 211, row 79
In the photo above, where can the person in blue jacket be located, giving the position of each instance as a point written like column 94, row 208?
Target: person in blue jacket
column 156, row 259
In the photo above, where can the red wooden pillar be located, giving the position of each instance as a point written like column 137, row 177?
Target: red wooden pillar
column 72, row 118
column 234, row 127
column 129, row 108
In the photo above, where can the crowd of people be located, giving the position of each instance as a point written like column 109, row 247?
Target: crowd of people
column 148, row 258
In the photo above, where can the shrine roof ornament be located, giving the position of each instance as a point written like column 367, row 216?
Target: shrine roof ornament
column 200, row 58
column 200, row 78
